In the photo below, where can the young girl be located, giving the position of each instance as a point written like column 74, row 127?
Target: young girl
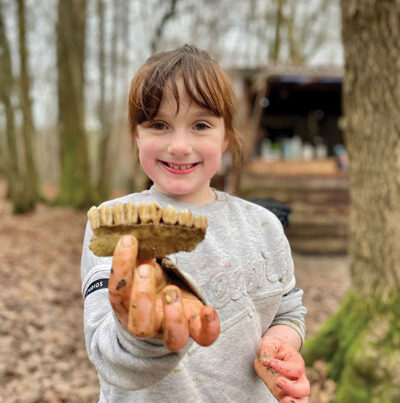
column 151, row 343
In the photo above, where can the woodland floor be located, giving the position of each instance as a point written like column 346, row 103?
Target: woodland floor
column 42, row 352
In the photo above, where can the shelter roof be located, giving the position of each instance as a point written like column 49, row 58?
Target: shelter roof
column 259, row 75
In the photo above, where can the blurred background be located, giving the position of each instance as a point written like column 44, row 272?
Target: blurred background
column 65, row 71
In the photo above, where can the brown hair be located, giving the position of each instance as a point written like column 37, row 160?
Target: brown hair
column 204, row 80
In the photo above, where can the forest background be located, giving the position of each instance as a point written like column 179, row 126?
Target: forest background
column 67, row 66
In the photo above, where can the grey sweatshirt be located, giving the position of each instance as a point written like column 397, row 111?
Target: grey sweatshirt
column 243, row 268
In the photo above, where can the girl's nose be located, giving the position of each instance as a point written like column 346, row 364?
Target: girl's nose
column 179, row 144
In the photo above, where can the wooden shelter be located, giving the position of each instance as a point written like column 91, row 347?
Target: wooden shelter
column 291, row 120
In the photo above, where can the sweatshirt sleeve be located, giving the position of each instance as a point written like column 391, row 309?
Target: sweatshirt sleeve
column 121, row 359
column 291, row 311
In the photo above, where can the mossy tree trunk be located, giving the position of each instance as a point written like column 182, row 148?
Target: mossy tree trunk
column 362, row 341
column 75, row 180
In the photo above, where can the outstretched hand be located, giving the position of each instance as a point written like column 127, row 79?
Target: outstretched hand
column 149, row 306
column 282, row 369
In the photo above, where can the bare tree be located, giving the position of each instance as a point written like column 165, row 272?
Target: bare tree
column 28, row 129
column 170, row 13
column 75, row 187
column 105, row 109
column 295, row 53
column 18, row 185
column 279, row 20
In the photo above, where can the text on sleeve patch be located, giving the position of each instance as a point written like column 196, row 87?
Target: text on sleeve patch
column 97, row 285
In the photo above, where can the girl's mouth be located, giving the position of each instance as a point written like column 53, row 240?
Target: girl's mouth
column 179, row 168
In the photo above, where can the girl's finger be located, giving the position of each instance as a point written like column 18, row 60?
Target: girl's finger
column 175, row 329
column 120, row 281
column 204, row 327
column 142, row 309
column 298, row 388
column 160, row 276
column 268, row 376
column 267, row 353
column 292, row 369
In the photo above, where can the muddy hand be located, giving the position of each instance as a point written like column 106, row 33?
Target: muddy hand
column 149, row 306
column 282, row 369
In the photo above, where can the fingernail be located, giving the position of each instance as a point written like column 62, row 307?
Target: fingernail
column 265, row 358
column 126, row 241
column 171, row 296
column 211, row 316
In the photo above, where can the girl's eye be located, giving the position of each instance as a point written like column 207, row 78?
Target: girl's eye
column 158, row 126
column 201, row 126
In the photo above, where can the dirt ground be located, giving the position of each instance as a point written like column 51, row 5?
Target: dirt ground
column 42, row 352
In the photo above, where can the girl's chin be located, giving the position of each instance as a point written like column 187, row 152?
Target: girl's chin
column 184, row 192
column 175, row 190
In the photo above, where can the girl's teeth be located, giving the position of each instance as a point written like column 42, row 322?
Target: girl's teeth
column 180, row 167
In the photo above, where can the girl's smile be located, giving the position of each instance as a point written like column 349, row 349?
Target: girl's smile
column 179, row 168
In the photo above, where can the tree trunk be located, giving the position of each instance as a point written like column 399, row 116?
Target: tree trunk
column 275, row 50
column 105, row 112
column 170, row 13
column 295, row 56
column 18, row 190
column 74, row 182
column 28, row 130
column 362, row 340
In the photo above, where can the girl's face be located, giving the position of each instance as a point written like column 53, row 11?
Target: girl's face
column 182, row 151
